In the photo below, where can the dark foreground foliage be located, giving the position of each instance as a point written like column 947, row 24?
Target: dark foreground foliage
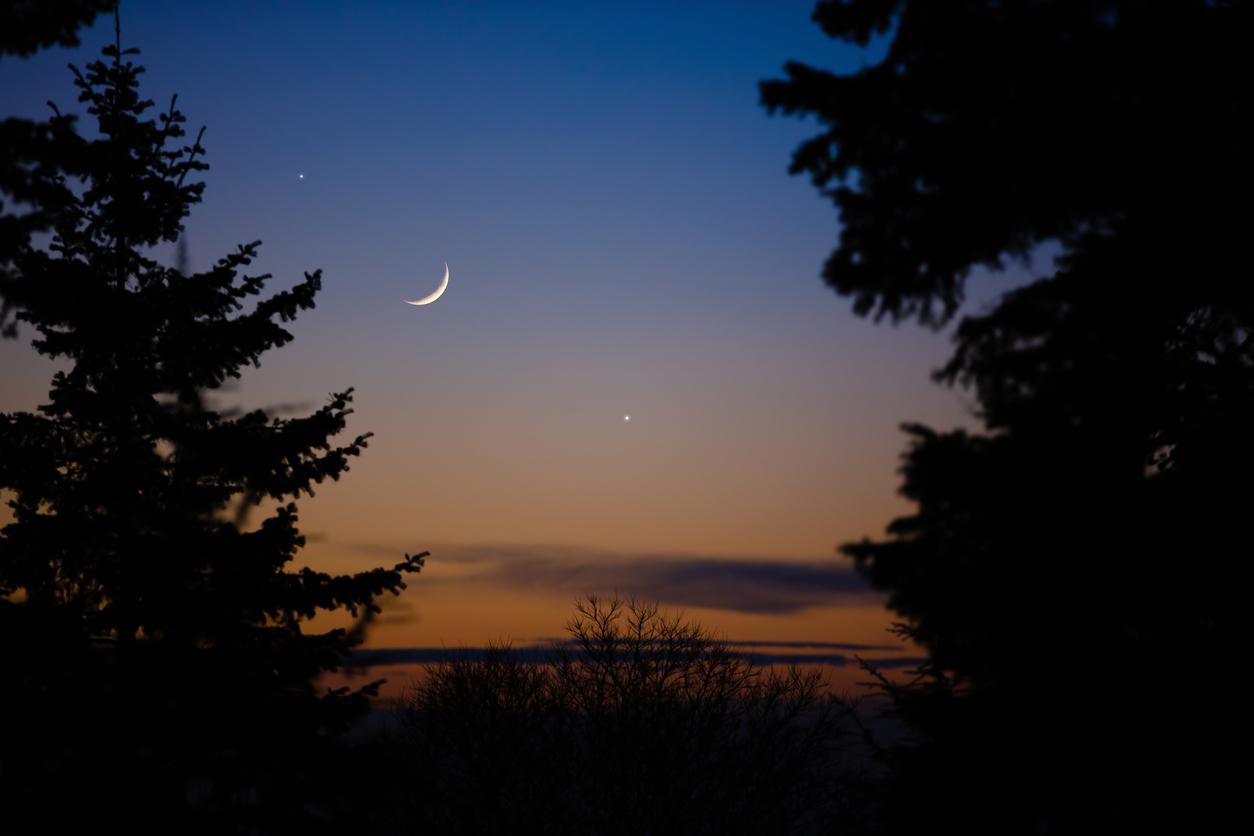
column 158, row 663
column 1074, row 568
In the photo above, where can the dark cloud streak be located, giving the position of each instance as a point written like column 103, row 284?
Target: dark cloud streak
column 792, row 645
column 762, row 585
column 539, row 654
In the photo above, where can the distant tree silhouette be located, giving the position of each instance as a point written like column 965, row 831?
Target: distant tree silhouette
column 1071, row 568
column 642, row 723
column 157, row 663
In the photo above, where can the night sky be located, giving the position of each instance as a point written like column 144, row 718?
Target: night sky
column 623, row 239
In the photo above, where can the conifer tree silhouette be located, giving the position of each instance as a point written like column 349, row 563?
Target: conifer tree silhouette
column 1067, row 563
column 157, row 654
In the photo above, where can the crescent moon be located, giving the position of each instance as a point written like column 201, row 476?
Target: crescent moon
column 427, row 300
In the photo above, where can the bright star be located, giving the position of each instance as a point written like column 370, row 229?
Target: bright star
column 626, row 417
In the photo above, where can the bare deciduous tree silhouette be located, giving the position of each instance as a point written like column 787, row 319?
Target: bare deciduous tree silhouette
column 641, row 723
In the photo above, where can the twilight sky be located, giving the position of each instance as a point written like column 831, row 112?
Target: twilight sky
column 623, row 239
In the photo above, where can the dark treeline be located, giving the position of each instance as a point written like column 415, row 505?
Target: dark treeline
column 1071, row 569
column 642, row 723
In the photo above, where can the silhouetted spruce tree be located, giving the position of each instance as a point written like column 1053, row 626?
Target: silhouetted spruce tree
column 1074, row 570
column 155, row 651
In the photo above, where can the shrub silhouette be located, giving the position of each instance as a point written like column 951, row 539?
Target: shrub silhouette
column 640, row 723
